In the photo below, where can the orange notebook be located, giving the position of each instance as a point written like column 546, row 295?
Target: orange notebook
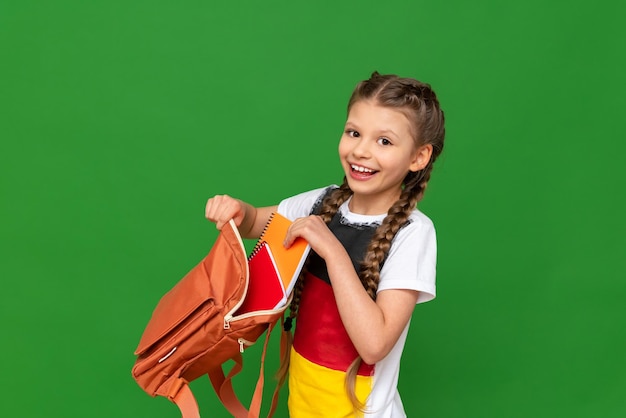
column 274, row 269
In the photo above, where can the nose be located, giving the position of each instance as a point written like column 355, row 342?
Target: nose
column 361, row 148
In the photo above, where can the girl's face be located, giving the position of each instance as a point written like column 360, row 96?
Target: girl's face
column 377, row 150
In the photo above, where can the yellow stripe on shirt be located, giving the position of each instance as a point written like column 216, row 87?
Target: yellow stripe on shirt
column 317, row 391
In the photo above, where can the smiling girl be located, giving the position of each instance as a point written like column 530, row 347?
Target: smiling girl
column 373, row 252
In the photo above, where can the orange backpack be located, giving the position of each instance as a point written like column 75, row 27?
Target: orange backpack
column 194, row 329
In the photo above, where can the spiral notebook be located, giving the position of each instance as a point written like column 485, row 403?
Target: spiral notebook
column 273, row 268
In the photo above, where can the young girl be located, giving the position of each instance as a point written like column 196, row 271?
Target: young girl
column 373, row 253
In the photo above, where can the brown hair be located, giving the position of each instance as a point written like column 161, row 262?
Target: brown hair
column 419, row 104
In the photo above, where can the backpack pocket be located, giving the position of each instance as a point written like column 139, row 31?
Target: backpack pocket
column 219, row 277
column 175, row 307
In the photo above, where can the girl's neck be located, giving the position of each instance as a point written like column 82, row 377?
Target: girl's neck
column 364, row 205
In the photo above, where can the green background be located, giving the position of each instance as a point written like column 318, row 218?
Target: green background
column 118, row 119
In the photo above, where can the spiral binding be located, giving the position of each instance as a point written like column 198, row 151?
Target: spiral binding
column 261, row 241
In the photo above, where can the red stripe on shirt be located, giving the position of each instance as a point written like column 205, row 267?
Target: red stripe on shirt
column 320, row 336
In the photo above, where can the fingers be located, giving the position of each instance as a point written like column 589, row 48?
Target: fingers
column 222, row 208
column 294, row 232
column 311, row 228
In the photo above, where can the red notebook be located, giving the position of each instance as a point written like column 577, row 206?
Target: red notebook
column 273, row 268
column 265, row 290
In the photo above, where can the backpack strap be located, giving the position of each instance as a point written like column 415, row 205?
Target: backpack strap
column 185, row 401
column 182, row 396
column 224, row 387
column 283, row 350
column 255, row 404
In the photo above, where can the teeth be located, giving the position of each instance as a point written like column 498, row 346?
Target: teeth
column 361, row 169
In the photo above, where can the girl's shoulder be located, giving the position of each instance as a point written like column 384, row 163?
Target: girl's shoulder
column 420, row 220
column 302, row 204
column 418, row 229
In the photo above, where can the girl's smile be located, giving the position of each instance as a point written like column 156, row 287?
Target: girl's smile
column 361, row 173
column 377, row 150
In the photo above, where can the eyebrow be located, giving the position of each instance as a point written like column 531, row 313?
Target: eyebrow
column 384, row 131
column 389, row 131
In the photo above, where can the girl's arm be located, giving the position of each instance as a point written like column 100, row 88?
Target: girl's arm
column 373, row 326
column 249, row 220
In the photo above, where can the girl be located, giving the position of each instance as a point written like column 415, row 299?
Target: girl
column 373, row 253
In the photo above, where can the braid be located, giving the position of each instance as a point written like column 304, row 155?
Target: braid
column 331, row 204
column 377, row 250
column 396, row 218
column 329, row 208
column 419, row 103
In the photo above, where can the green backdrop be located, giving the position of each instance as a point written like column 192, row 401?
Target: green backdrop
column 118, row 119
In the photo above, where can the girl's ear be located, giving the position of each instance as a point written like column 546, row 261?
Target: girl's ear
column 421, row 157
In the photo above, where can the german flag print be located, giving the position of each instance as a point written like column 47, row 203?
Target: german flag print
column 322, row 352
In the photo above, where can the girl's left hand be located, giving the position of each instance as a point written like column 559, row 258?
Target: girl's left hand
column 315, row 231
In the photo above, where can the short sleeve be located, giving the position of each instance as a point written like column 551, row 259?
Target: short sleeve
column 412, row 259
column 301, row 204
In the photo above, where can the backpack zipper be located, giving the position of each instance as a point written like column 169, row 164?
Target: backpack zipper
column 243, row 342
column 229, row 317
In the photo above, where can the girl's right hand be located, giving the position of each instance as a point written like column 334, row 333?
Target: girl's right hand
column 222, row 208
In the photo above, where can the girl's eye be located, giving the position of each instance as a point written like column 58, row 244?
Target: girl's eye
column 384, row 141
column 352, row 133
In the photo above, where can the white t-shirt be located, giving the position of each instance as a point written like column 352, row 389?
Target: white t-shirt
column 410, row 264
